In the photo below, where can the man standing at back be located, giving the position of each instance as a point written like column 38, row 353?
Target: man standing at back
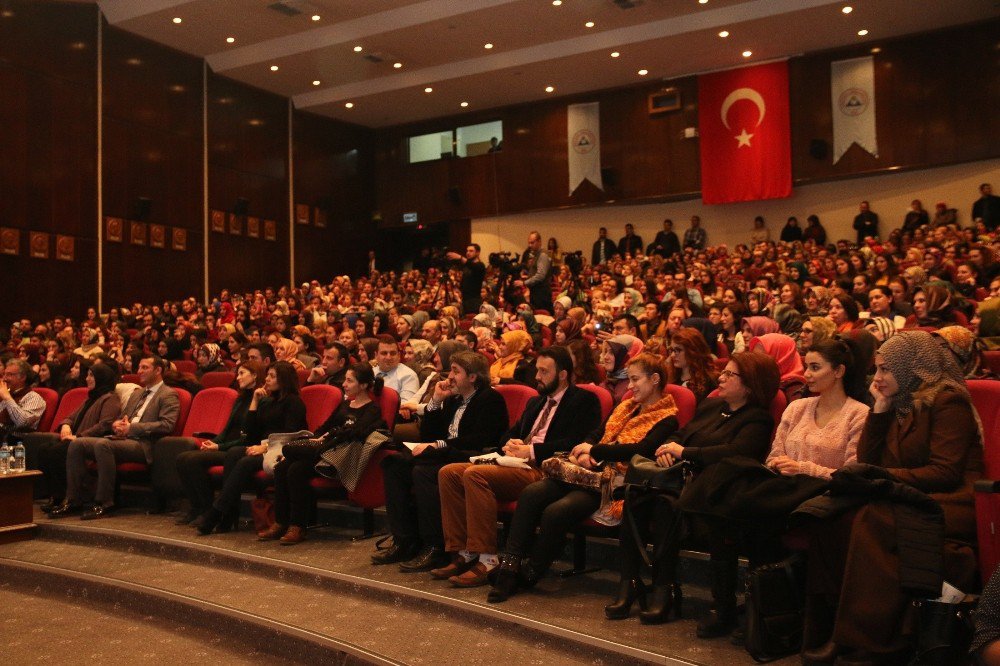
column 537, row 267
column 630, row 243
column 150, row 413
column 604, row 248
column 695, row 237
column 666, row 244
column 473, row 275
column 865, row 223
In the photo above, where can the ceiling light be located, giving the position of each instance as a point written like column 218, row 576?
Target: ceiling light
column 316, row 83
column 848, row 9
column 274, row 68
column 464, row 104
column 349, row 105
column 724, row 34
column 7, row 13
column 589, row 24
column 702, row 2
column 357, row 49
column 428, row 89
column 315, row 17
column 747, row 54
column 230, row 40
column 643, row 72
column 862, row 33
column 177, row 88
column 177, row 19
column 876, row 50
column 549, row 89
column 397, row 65
column 256, row 122
column 615, row 54
column 133, row 61
column 556, row 3
column 487, row 45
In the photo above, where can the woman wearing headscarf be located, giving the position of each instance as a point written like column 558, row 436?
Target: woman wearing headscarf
column 91, row 419
column 932, row 306
column 965, row 347
column 287, row 350
column 616, row 352
column 419, row 357
column 633, row 302
column 757, row 302
column 882, row 328
column 491, row 313
column 707, row 329
column 209, row 359
column 567, row 330
column 783, row 350
column 757, row 326
column 509, row 352
column 789, row 320
column 817, row 300
column 815, row 329
column 532, row 327
column 923, row 434
column 989, row 323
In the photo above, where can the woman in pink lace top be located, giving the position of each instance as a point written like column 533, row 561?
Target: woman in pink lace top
column 819, row 435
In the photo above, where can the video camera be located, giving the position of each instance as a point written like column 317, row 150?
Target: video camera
column 507, row 263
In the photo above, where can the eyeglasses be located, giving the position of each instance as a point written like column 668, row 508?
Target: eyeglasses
column 726, row 374
column 676, row 350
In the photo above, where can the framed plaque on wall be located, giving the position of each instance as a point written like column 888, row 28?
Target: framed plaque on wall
column 10, row 240
column 270, row 230
column 253, row 227
column 113, row 229
column 218, row 221
column 65, row 248
column 179, row 238
column 137, row 233
column 38, row 243
column 157, row 236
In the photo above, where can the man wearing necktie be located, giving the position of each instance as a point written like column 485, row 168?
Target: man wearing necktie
column 558, row 419
column 149, row 414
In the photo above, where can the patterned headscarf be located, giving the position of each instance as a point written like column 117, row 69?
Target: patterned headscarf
column 212, row 351
column 921, row 368
column 823, row 328
column 423, row 352
column 964, row 346
column 989, row 323
column 624, row 348
column 789, row 320
column 884, row 327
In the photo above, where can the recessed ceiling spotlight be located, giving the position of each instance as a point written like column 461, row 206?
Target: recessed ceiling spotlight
column 428, row 89
column 589, row 24
column 397, row 65
column 349, row 105
column 862, row 33
column 847, row 10
column 747, row 54
column 315, row 17
column 357, row 49
column 316, row 83
column 549, row 89
column 230, row 40
column 464, row 104
column 488, row 45
column 876, row 50
column 702, row 2
column 556, row 3
column 643, row 72
column 274, row 68
column 724, row 34
column 615, row 54
column 177, row 19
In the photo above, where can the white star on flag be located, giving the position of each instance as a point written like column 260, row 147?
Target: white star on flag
column 744, row 139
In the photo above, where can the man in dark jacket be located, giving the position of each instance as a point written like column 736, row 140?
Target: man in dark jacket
column 465, row 416
column 558, row 419
column 987, row 207
column 866, row 223
column 666, row 244
column 604, row 248
column 630, row 243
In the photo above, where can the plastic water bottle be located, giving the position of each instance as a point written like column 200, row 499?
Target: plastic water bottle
column 5, row 458
column 18, row 462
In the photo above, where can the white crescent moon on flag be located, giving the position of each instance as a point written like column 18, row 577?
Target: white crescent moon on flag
column 742, row 93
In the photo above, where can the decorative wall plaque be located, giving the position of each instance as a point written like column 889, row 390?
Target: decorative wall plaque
column 137, row 233
column 253, row 227
column 38, row 244
column 157, row 236
column 113, row 229
column 65, row 248
column 179, row 239
column 270, row 230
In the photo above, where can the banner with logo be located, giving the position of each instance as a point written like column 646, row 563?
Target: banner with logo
column 852, row 89
column 743, row 122
column 583, row 132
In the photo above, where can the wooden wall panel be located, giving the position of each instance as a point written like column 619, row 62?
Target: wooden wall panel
column 248, row 158
column 152, row 149
column 47, row 174
column 936, row 100
column 333, row 172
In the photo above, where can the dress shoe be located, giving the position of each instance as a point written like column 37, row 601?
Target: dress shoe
column 824, row 654
column 629, row 590
column 664, row 600
column 97, row 511
column 456, row 567
column 65, row 509
column 474, row 577
column 397, row 552
column 273, row 532
column 294, row 535
column 504, row 579
column 429, row 557
column 50, row 505
column 209, row 521
column 531, row 572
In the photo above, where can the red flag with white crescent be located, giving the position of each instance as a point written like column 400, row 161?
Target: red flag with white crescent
column 743, row 122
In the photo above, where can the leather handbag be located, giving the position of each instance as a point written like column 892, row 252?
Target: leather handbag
column 561, row 468
column 774, row 608
column 945, row 631
column 645, row 474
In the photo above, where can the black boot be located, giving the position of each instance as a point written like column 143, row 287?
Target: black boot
column 230, row 522
column 664, row 599
column 721, row 619
column 209, row 521
column 531, row 572
column 629, row 590
column 505, row 579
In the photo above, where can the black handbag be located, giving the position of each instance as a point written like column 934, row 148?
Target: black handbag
column 944, row 632
column 645, row 481
column 774, row 608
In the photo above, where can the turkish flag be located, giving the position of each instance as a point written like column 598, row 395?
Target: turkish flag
column 743, row 122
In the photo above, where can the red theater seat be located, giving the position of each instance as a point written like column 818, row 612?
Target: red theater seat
column 603, row 396
column 516, row 396
column 986, row 399
column 686, row 403
column 217, row 379
column 186, row 367
column 72, row 399
column 321, row 400
column 51, row 399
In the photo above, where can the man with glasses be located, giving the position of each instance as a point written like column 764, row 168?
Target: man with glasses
column 20, row 407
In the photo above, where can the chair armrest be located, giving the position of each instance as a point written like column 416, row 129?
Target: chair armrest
column 986, row 486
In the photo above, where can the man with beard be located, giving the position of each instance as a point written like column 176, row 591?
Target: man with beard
column 557, row 419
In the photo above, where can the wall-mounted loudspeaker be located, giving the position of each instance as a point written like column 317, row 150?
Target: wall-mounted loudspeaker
column 609, row 177
column 818, row 149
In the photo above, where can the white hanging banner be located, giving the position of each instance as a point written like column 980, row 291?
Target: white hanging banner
column 852, row 88
column 583, row 132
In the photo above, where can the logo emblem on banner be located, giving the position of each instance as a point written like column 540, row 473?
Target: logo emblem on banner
column 853, row 102
column 584, row 141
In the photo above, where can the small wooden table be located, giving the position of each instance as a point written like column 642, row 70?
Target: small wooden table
column 17, row 517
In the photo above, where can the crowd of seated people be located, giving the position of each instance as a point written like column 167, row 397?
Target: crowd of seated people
column 869, row 343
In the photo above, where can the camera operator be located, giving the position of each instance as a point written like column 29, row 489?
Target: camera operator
column 473, row 275
column 537, row 269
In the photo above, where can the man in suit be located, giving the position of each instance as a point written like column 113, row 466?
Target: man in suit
column 558, row 419
column 150, row 413
column 464, row 417
column 630, row 243
column 604, row 248
column 865, row 223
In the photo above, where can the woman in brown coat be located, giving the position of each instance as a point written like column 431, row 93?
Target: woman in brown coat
column 923, row 431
